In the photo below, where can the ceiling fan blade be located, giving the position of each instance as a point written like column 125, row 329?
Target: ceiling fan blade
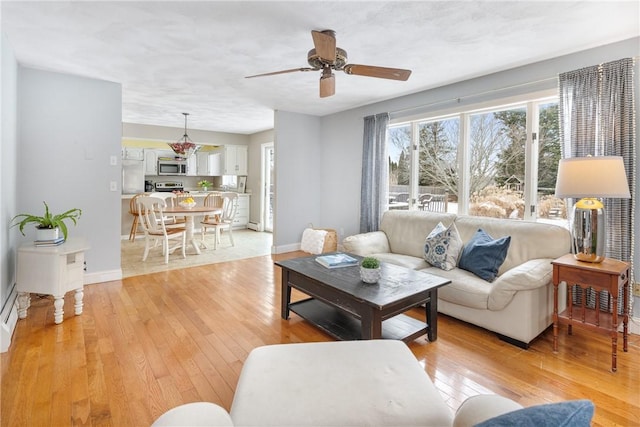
column 327, row 85
column 325, row 44
column 293, row 70
column 380, row 72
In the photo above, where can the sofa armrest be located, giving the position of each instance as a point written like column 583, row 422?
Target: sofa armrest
column 195, row 414
column 477, row 409
column 364, row 244
column 531, row 274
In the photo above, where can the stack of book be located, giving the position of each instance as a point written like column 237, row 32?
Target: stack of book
column 52, row 242
column 336, row 260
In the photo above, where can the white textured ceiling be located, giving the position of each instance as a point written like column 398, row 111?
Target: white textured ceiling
column 174, row 57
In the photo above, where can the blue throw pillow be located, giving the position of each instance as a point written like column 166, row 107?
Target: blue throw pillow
column 483, row 256
column 573, row 413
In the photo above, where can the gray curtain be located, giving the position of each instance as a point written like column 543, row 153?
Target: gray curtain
column 374, row 185
column 597, row 118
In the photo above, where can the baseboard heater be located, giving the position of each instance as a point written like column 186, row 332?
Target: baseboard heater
column 253, row 226
column 9, row 316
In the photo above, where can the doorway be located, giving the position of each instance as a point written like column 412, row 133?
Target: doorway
column 267, row 194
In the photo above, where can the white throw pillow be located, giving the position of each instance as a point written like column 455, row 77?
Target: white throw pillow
column 442, row 247
column 313, row 240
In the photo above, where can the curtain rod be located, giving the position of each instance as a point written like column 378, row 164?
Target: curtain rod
column 458, row 99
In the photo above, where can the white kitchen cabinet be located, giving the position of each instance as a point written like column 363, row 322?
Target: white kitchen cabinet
column 132, row 153
column 233, row 160
column 241, row 219
column 208, row 163
column 150, row 162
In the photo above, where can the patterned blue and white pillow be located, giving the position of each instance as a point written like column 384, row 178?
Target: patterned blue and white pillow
column 442, row 247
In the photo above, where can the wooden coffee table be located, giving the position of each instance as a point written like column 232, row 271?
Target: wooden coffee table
column 349, row 309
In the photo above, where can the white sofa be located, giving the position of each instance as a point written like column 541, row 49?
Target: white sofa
column 345, row 383
column 517, row 305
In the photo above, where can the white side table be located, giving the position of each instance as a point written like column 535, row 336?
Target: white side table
column 51, row 270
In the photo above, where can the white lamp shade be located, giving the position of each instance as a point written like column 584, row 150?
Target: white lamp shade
column 602, row 176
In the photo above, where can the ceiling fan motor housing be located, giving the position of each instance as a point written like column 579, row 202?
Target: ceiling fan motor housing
column 316, row 62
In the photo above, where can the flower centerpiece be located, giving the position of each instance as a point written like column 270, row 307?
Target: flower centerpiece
column 204, row 184
column 48, row 226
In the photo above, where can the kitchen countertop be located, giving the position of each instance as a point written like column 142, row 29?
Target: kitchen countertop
column 191, row 193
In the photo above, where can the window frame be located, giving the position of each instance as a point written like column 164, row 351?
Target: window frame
column 530, row 101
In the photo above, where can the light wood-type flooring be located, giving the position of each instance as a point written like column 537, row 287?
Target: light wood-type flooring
column 148, row 343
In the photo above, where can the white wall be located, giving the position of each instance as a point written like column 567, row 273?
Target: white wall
column 255, row 171
column 69, row 127
column 342, row 133
column 8, row 171
column 298, row 177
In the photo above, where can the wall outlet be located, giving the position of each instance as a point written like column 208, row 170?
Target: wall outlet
column 636, row 290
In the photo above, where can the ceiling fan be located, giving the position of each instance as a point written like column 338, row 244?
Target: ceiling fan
column 327, row 57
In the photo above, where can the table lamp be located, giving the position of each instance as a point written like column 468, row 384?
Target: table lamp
column 590, row 178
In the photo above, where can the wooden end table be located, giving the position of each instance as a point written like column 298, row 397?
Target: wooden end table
column 609, row 275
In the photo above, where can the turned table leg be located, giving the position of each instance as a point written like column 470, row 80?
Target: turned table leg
column 79, row 295
column 58, row 303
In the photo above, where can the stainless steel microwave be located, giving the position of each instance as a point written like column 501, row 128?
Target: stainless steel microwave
column 172, row 167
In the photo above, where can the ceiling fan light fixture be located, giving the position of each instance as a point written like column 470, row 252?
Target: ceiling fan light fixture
column 184, row 146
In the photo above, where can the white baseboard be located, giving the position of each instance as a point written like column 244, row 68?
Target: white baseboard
column 102, row 276
column 286, row 248
column 9, row 317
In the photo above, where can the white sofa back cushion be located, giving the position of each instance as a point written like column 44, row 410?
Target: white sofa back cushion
column 407, row 230
column 529, row 240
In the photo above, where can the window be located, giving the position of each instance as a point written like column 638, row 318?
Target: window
column 499, row 162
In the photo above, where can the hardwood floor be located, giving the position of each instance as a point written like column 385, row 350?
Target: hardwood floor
column 148, row 343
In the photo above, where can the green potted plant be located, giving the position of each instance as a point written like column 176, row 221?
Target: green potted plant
column 204, row 185
column 48, row 226
column 370, row 270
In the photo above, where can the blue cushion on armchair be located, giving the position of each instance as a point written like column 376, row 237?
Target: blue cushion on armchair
column 572, row 413
column 483, row 256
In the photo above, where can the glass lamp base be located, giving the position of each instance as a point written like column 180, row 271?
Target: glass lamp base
column 588, row 230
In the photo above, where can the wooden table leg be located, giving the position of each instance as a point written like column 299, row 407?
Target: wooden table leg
column 431, row 308
column 286, row 294
column 371, row 324
column 555, row 316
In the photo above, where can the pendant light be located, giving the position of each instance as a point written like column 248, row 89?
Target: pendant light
column 184, row 146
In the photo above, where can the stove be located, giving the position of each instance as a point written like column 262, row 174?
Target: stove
column 169, row 186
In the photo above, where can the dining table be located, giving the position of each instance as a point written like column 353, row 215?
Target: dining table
column 190, row 214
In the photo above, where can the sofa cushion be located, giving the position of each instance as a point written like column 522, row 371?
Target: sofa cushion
column 402, row 260
column 406, row 230
column 529, row 240
column 483, row 255
column 442, row 247
column 465, row 289
column 573, row 413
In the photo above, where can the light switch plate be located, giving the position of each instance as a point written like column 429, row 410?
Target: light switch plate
column 113, row 186
column 113, row 160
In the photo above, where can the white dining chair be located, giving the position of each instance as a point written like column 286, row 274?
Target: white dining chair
column 224, row 221
column 170, row 199
column 155, row 230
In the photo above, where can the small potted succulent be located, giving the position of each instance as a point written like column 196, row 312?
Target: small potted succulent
column 204, row 185
column 48, row 227
column 370, row 270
